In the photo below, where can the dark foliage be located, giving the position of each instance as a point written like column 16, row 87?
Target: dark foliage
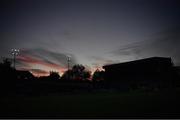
column 77, row 79
column 98, row 76
column 54, row 75
column 78, row 73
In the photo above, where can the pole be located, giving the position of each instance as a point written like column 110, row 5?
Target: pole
column 14, row 61
column 68, row 60
column 68, row 63
column 14, row 52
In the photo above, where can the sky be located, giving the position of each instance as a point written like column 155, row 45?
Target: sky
column 92, row 32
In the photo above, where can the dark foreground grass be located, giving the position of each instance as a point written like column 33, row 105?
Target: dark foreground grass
column 94, row 105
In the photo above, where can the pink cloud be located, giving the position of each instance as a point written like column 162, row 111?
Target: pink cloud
column 32, row 60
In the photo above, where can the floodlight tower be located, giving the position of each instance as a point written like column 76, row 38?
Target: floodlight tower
column 14, row 52
column 68, row 61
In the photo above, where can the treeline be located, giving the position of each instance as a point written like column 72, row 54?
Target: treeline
column 77, row 79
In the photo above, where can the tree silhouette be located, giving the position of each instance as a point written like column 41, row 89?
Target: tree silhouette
column 98, row 79
column 6, row 64
column 78, row 72
column 98, row 76
column 54, row 75
column 8, row 77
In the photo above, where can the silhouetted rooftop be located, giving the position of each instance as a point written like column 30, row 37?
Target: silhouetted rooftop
column 140, row 61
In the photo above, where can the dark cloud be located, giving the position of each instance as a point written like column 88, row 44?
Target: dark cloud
column 50, row 56
column 100, row 61
column 165, row 43
column 97, row 58
column 40, row 61
column 19, row 64
column 86, row 28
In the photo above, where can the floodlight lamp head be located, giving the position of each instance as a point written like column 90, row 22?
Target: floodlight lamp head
column 14, row 51
column 68, row 57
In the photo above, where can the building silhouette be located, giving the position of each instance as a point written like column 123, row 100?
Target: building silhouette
column 154, row 72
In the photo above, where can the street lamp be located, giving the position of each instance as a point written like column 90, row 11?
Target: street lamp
column 14, row 52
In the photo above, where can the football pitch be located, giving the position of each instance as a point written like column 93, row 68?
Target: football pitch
column 93, row 105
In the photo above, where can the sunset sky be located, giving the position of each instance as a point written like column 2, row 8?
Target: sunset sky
column 92, row 32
